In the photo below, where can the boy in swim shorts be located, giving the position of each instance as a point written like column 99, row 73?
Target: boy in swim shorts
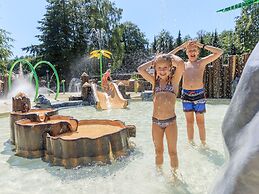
column 193, row 93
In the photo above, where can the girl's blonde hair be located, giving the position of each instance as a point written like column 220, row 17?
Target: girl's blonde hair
column 158, row 59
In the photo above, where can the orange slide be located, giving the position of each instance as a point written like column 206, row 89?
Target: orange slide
column 113, row 100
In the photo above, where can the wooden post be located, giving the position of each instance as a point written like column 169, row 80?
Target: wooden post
column 5, row 89
column 21, row 103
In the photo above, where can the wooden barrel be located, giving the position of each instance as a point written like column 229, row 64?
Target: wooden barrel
column 30, row 135
column 32, row 114
column 95, row 141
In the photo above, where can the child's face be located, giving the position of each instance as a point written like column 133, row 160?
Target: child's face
column 163, row 69
column 192, row 53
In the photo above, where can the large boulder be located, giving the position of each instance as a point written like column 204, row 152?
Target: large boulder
column 241, row 134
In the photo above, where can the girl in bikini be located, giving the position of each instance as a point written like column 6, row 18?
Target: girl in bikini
column 165, row 84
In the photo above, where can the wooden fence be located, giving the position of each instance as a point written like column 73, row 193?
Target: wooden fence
column 219, row 76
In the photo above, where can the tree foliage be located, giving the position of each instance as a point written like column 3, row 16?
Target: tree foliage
column 135, row 47
column 71, row 29
column 5, row 48
column 247, row 29
column 164, row 42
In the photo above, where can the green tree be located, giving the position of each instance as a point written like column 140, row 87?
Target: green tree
column 72, row 28
column 186, row 38
column 204, row 38
column 5, row 49
column 164, row 42
column 227, row 42
column 135, row 46
column 201, row 40
column 117, row 47
column 215, row 39
column 178, row 40
column 247, row 28
column 56, row 35
column 154, row 45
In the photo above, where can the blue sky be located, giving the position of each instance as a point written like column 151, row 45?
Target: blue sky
column 20, row 17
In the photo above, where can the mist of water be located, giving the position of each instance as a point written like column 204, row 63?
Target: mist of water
column 22, row 85
column 75, row 85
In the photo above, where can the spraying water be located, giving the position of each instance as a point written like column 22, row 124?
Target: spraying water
column 108, row 102
column 21, row 84
column 20, row 74
column 74, row 85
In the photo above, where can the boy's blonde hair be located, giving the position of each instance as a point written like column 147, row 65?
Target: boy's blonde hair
column 190, row 45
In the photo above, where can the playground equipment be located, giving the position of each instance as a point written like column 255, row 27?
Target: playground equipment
column 55, row 72
column 239, row 5
column 113, row 100
column 99, row 54
column 63, row 140
column 33, row 69
column 22, row 110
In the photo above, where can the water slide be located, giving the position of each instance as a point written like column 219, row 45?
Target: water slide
column 113, row 100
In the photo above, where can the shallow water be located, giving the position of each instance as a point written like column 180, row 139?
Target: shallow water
column 135, row 174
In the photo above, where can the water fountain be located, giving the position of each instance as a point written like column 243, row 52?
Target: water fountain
column 3, row 85
column 42, row 133
column 22, row 84
column 22, row 110
column 74, row 85
column 63, row 140
column 30, row 134
column 48, row 80
column 98, row 36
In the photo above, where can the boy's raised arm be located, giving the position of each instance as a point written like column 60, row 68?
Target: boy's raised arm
column 216, row 53
column 181, row 47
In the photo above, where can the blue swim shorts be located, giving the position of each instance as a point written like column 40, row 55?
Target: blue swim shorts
column 194, row 100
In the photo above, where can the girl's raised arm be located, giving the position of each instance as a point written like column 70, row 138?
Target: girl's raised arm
column 142, row 69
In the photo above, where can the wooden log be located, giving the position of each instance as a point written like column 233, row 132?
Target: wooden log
column 32, row 114
column 30, row 135
column 96, row 141
column 84, row 78
column 21, row 102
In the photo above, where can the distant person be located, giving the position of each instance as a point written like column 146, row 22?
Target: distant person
column 234, row 85
column 1, row 88
column 105, row 80
column 193, row 92
column 165, row 83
